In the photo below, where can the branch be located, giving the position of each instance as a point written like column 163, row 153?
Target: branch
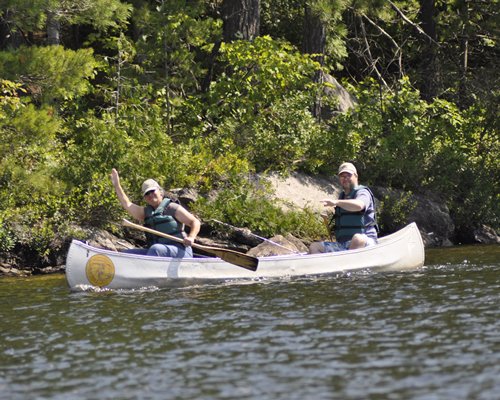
column 399, row 52
column 373, row 62
column 410, row 22
column 382, row 31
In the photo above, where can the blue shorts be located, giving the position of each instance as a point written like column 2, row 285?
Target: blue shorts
column 331, row 247
column 173, row 250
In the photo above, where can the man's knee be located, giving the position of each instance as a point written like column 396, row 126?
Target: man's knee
column 316, row 247
column 358, row 241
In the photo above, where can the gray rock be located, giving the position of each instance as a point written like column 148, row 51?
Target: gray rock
column 486, row 235
column 278, row 245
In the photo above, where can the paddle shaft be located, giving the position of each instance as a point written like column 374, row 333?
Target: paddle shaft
column 230, row 256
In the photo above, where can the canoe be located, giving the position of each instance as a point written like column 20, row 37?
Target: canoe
column 89, row 267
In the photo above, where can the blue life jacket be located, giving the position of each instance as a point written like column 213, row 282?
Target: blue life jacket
column 348, row 223
column 155, row 219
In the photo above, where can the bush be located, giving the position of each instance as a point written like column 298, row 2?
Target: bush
column 7, row 239
column 398, row 140
column 394, row 211
column 249, row 207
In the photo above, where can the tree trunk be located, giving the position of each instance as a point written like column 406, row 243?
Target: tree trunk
column 205, row 84
column 53, row 30
column 429, row 71
column 241, row 19
column 314, row 42
column 463, row 95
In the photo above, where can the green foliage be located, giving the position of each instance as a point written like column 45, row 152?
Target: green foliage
column 284, row 19
column 28, row 136
column 94, row 204
column 31, row 15
column 134, row 141
column 119, row 68
column 471, row 26
column 51, row 73
column 24, row 15
column 7, row 239
column 247, row 206
column 467, row 159
column 259, row 73
column 29, row 150
column 37, row 225
column 282, row 134
column 261, row 102
column 401, row 141
column 9, row 95
column 173, row 36
column 394, row 211
column 136, row 144
column 216, row 171
column 103, row 15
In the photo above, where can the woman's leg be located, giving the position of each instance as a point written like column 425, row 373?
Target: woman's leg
column 170, row 250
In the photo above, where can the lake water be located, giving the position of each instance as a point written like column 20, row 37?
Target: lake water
column 429, row 334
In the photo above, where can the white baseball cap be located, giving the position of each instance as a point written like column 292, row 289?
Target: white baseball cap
column 348, row 167
column 149, row 184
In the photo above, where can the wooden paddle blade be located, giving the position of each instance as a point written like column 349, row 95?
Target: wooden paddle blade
column 239, row 259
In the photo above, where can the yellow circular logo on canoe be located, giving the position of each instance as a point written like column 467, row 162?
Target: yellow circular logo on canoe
column 100, row 270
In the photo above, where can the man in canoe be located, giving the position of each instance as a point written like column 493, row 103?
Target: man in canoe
column 161, row 214
column 354, row 213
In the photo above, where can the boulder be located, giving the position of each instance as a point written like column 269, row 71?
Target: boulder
column 486, row 235
column 278, row 245
column 480, row 235
column 431, row 215
column 106, row 240
column 344, row 100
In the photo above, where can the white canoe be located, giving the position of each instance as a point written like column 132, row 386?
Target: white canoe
column 88, row 267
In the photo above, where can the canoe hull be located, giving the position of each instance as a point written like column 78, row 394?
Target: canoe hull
column 87, row 266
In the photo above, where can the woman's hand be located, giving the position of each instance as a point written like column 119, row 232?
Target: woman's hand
column 188, row 241
column 115, row 178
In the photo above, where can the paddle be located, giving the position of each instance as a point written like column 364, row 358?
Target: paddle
column 230, row 256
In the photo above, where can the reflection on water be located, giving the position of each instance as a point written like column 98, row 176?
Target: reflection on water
column 479, row 254
column 429, row 334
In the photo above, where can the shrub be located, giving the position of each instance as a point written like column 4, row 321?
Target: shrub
column 253, row 208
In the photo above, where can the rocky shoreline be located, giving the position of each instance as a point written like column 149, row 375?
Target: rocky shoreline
column 432, row 217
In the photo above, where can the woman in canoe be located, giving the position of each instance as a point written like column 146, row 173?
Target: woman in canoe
column 161, row 214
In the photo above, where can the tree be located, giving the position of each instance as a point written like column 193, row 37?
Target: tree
column 314, row 40
column 428, row 14
column 29, row 16
column 173, row 43
column 241, row 19
column 52, row 74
